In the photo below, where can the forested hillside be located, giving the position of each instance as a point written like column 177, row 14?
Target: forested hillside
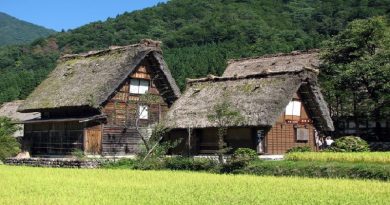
column 15, row 31
column 198, row 36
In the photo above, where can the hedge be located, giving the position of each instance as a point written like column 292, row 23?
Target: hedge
column 261, row 167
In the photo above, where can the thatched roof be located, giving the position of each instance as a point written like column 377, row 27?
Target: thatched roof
column 260, row 97
column 294, row 61
column 9, row 110
column 88, row 80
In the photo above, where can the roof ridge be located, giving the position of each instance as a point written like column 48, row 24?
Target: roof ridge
column 266, row 73
column 292, row 53
column 143, row 43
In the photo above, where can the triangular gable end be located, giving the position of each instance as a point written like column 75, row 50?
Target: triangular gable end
column 160, row 74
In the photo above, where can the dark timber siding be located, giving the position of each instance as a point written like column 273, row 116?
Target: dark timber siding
column 119, row 135
column 56, row 138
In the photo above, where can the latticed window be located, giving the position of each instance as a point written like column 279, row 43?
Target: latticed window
column 139, row 86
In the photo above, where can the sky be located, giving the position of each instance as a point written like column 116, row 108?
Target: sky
column 70, row 14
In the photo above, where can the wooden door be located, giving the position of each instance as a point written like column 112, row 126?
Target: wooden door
column 93, row 140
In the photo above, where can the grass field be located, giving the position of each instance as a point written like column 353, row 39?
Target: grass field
column 23, row 185
column 366, row 157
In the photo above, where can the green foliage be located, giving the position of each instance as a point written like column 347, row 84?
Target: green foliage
column 359, row 157
column 349, row 144
column 223, row 115
column 299, row 149
column 14, row 31
column 246, row 154
column 78, row 153
column 119, row 164
column 356, row 70
column 193, row 164
column 199, row 36
column 9, row 146
column 240, row 158
column 318, row 169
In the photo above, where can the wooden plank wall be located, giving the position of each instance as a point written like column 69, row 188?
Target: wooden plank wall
column 282, row 136
column 119, row 135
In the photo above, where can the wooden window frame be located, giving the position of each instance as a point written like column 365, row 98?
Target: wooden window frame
column 139, row 85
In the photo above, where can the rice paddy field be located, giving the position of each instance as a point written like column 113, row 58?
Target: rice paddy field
column 27, row 185
column 365, row 157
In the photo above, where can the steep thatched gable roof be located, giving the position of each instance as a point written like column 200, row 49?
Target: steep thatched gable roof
column 87, row 80
column 259, row 95
column 294, row 61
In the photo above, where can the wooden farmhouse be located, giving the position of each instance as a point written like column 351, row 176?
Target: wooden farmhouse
column 277, row 96
column 90, row 101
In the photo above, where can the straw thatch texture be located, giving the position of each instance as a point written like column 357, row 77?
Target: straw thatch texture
column 87, row 80
column 294, row 61
column 260, row 101
column 260, row 98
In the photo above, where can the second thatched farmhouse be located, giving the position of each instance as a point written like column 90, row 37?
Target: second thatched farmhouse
column 277, row 96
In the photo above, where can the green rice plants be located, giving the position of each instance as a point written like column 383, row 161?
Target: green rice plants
column 31, row 185
column 362, row 157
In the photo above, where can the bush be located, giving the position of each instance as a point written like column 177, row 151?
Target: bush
column 120, row 164
column 349, row 144
column 9, row 146
column 149, row 164
column 245, row 154
column 194, row 164
column 318, row 169
column 299, row 149
column 240, row 158
column 78, row 154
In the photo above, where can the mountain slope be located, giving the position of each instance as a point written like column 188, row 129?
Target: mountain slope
column 15, row 31
column 198, row 36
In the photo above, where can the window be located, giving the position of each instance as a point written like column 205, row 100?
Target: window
column 143, row 112
column 302, row 134
column 139, row 86
column 294, row 108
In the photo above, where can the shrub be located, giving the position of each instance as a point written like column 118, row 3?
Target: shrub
column 186, row 163
column 78, row 153
column 9, row 146
column 120, row 164
column 245, row 154
column 299, row 149
column 349, row 144
column 240, row 158
column 149, row 164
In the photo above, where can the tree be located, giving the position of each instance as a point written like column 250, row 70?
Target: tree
column 9, row 146
column 357, row 68
column 223, row 115
column 152, row 140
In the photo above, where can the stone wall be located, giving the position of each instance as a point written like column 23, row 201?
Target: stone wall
column 55, row 162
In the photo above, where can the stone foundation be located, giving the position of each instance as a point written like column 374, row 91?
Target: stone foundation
column 55, row 162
